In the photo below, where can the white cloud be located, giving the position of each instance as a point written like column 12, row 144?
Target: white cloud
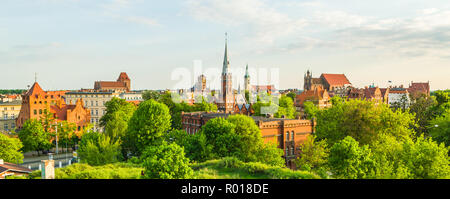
column 264, row 23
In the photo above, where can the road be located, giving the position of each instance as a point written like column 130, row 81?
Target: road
column 33, row 162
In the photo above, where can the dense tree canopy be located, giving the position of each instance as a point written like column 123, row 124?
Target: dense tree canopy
column 363, row 121
column 314, row 154
column 33, row 136
column 115, row 108
column 166, row 161
column 99, row 149
column 10, row 149
column 440, row 128
column 147, row 125
column 350, row 161
column 238, row 136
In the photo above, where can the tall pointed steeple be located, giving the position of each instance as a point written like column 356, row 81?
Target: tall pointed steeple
column 246, row 79
column 227, row 99
column 226, row 61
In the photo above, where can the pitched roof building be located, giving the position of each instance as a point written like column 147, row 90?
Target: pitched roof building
column 123, row 83
column 10, row 169
column 417, row 88
column 37, row 103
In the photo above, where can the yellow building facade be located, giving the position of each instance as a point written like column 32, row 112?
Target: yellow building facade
column 9, row 111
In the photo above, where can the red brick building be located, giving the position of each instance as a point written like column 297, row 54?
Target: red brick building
column 287, row 134
column 417, row 88
column 37, row 103
column 123, row 83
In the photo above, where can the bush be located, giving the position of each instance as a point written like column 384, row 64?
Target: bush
column 99, row 149
column 109, row 171
column 166, row 161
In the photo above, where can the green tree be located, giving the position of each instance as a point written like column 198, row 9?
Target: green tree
column 286, row 108
column 10, row 149
column 291, row 95
column 350, row 161
column 166, row 161
column 270, row 154
column 249, row 136
column 440, row 128
column 149, row 94
column 426, row 159
column 314, row 154
column 310, row 109
column 66, row 134
column 33, row 136
column 147, row 126
column 387, row 154
column 98, row 149
column 363, row 121
column 125, row 108
column 198, row 149
column 422, row 108
column 220, row 133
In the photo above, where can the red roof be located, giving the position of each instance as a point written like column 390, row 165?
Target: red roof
column 6, row 166
column 421, row 87
column 108, row 84
column 335, row 79
column 35, row 89
column 123, row 76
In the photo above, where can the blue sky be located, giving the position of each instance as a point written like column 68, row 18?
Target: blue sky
column 72, row 43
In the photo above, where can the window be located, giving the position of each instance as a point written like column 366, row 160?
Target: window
column 35, row 111
column 96, row 112
column 6, row 127
column 287, row 136
column 13, row 125
column 292, row 150
column 5, row 116
column 292, row 135
column 287, row 151
column 40, row 111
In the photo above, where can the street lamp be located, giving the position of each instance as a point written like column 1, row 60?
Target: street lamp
column 56, row 128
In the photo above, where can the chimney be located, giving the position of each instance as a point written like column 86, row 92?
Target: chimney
column 1, row 162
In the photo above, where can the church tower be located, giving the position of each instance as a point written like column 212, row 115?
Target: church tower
column 246, row 80
column 307, row 81
column 227, row 98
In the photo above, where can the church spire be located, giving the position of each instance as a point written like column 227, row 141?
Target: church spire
column 246, row 71
column 226, row 61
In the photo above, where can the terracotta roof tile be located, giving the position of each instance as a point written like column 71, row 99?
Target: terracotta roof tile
column 335, row 79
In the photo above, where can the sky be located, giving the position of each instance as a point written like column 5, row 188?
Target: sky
column 72, row 43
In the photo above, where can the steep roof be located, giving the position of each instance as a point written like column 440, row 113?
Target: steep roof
column 123, row 76
column 316, row 94
column 335, row 79
column 35, row 89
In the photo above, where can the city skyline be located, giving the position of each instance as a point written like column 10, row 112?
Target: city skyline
column 91, row 41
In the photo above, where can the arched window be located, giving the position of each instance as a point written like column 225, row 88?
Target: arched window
column 292, row 135
column 287, row 136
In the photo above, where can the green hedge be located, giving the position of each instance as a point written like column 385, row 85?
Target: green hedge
column 254, row 168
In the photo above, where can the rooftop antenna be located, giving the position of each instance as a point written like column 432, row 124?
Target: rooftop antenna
column 35, row 77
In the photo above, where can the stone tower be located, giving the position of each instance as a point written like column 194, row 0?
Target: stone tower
column 307, row 81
